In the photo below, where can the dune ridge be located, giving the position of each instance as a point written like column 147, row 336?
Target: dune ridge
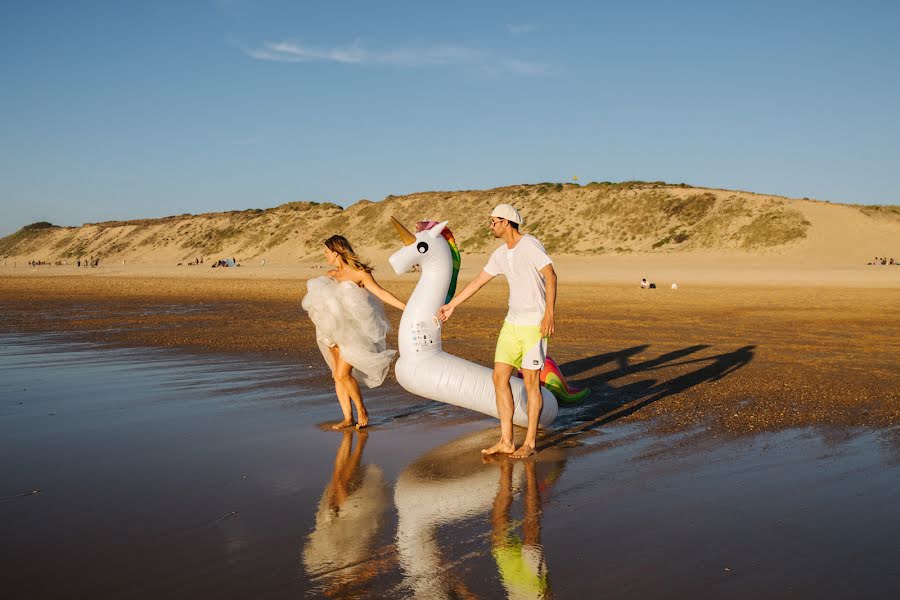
column 629, row 218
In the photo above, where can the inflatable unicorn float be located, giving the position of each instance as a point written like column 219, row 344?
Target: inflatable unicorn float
column 424, row 368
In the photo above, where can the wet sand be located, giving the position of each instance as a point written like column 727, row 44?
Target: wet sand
column 148, row 473
column 740, row 441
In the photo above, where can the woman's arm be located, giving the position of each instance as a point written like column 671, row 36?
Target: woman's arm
column 379, row 292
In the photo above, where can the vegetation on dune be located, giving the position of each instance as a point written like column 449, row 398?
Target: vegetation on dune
column 692, row 209
column 62, row 243
column 27, row 239
column 206, row 240
column 596, row 218
column 140, row 222
column 890, row 212
column 631, row 185
column 39, row 226
column 306, row 206
column 773, row 228
column 77, row 249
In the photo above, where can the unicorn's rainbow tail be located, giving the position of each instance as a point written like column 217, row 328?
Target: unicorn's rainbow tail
column 553, row 379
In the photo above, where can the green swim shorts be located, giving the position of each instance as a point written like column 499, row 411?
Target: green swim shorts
column 521, row 346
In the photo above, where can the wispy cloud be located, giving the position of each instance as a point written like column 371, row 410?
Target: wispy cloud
column 403, row 56
column 249, row 140
column 292, row 53
column 520, row 28
column 434, row 55
column 525, row 67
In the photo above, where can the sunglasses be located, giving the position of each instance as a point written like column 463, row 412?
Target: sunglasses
column 492, row 222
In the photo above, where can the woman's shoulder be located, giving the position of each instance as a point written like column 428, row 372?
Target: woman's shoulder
column 346, row 276
column 357, row 276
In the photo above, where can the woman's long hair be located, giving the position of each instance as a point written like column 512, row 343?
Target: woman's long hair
column 339, row 244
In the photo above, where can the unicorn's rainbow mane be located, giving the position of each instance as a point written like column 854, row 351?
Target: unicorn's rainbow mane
column 454, row 251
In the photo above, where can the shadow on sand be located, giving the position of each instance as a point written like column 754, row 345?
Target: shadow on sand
column 608, row 403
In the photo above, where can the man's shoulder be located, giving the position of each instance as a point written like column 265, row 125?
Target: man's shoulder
column 495, row 261
column 533, row 241
column 498, row 251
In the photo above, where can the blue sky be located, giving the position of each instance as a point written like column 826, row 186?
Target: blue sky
column 120, row 110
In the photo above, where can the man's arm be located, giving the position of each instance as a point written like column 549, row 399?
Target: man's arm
column 474, row 285
column 547, row 323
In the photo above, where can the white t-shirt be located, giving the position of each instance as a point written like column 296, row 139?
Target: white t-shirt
column 527, row 290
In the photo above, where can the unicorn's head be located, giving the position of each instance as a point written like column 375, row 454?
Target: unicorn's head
column 432, row 247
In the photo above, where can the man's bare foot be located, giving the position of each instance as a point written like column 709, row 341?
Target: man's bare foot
column 500, row 447
column 342, row 424
column 362, row 420
column 524, row 452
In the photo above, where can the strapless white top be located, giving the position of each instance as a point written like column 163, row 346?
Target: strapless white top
column 350, row 317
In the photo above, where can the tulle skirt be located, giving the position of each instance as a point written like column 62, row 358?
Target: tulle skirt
column 348, row 316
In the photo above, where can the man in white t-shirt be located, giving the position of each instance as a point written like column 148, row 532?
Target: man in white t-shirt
column 528, row 325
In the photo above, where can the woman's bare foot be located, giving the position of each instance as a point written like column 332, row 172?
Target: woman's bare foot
column 362, row 419
column 342, row 424
column 500, row 447
column 524, row 451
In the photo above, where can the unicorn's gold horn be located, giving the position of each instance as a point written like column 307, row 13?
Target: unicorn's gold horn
column 405, row 235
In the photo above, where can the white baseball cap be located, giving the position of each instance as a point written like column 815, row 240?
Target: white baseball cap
column 506, row 211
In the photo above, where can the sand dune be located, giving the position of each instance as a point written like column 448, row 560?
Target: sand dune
column 592, row 220
column 596, row 232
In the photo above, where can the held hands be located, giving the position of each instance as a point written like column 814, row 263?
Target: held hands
column 444, row 312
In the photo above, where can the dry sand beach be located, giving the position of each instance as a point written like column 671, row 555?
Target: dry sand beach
column 794, row 355
column 164, row 431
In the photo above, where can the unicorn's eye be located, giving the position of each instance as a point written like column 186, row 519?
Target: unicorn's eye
column 422, row 247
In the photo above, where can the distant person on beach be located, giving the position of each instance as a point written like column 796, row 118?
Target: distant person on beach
column 522, row 343
column 644, row 284
column 346, row 306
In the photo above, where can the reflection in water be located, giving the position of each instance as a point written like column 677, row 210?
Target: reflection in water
column 450, row 485
column 520, row 560
column 338, row 552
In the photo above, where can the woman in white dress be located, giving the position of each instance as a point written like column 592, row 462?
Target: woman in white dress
column 346, row 307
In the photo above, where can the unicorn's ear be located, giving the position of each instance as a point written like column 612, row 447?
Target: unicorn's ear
column 437, row 229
